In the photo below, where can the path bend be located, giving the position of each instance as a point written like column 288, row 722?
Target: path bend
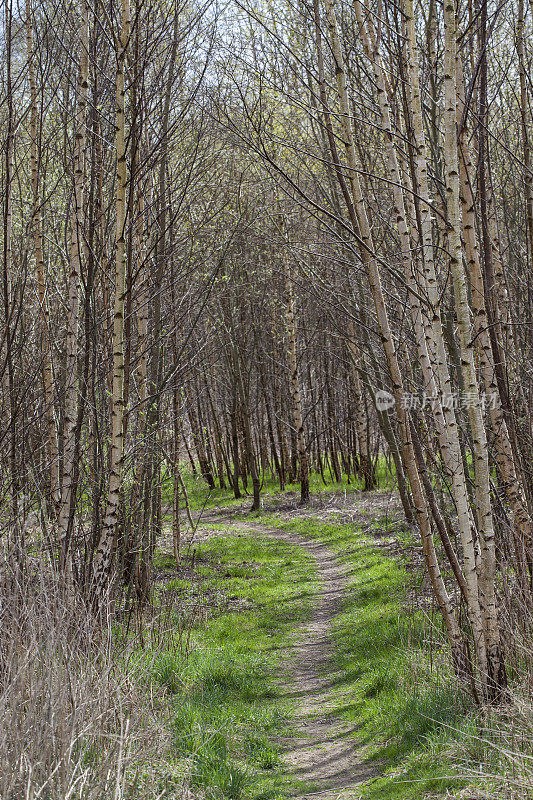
column 321, row 754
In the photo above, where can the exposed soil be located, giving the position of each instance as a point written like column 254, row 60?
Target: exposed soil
column 321, row 754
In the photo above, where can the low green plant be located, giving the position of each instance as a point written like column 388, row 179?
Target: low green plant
column 261, row 750
column 211, row 769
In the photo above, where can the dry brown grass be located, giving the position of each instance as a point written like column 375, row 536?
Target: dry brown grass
column 495, row 751
column 78, row 720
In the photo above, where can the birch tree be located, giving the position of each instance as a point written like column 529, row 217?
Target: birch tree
column 104, row 551
column 76, row 251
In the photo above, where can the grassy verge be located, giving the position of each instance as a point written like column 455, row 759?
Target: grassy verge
column 221, row 679
column 396, row 688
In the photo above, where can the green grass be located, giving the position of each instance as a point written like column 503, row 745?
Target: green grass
column 396, row 687
column 201, row 497
column 222, row 687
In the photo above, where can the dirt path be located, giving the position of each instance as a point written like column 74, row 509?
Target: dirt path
column 321, row 754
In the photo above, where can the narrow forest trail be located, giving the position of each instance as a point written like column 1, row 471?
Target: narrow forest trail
column 321, row 754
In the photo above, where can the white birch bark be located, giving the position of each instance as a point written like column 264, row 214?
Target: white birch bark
column 367, row 251
column 446, row 422
column 512, row 486
column 429, row 337
column 103, row 555
column 494, row 674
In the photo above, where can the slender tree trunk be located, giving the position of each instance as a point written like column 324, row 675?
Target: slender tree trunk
column 14, row 487
column 235, row 443
column 367, row 251
column 199, row 444
column 75, row 261
column 176, row 523
column 428, row 332
column 37, row 225
column 525, row 118
column 366, row 468
column 103, row 556
column 492, row 674
column 290, row 322
column 512, row 487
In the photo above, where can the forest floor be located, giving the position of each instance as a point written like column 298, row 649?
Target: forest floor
column 324, row 674
column 320, row 754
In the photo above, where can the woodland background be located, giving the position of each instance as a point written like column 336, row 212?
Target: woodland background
column 265, row 242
